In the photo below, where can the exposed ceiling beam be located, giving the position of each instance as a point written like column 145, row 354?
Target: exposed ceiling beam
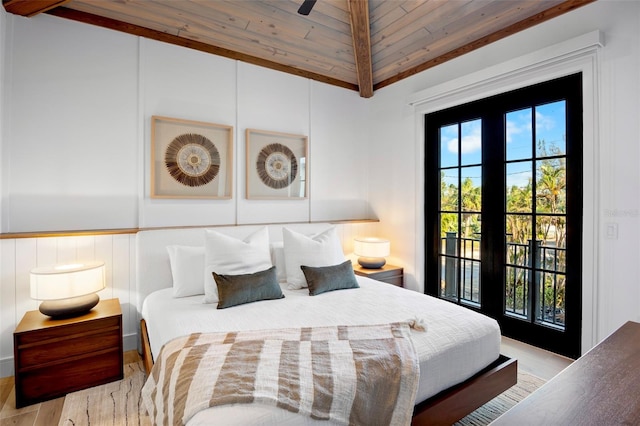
column 361, row 34
column 31, row 8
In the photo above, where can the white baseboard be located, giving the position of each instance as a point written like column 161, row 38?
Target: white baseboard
column 129, row 343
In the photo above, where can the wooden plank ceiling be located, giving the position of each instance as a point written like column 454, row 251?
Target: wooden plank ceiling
column 362, row 45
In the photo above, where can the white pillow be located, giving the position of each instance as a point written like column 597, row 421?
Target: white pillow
column 226, row 255
column 187, row 264
column 277, row 258
column 322, row 249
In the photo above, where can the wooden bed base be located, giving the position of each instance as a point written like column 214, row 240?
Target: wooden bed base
column 445, row 408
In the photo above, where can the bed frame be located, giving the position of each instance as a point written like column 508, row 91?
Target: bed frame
column 154, row 273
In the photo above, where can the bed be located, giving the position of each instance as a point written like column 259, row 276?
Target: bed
column 460, row 366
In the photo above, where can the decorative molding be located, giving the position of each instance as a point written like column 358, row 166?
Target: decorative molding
column 507, row 75
column 96, row 232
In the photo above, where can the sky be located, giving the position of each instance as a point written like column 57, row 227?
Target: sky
column 550, row 124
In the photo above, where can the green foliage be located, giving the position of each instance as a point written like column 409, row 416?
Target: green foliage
column 549, row 202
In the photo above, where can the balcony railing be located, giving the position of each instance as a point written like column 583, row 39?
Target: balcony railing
column 534, row 275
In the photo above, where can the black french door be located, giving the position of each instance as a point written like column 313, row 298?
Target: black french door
column 503, row 210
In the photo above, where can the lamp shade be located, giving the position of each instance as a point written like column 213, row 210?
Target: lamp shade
column 67, row 289
column 371, row 251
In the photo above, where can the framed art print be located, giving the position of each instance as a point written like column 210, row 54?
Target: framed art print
column 190, row 159
column 277, row 165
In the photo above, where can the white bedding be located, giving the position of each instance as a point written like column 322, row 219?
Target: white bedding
column 457, row 343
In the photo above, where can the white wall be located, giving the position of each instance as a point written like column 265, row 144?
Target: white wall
column 80, row 103
column 186, row 84
column 3, row 43
column 70, row 141
column 75, row 151
column 612, row 175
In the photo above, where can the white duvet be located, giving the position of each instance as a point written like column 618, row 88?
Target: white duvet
column 457, row 342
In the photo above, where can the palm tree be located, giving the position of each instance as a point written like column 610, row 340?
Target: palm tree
column 471, row 202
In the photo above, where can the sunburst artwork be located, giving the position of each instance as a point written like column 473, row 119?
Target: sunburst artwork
column 276, row 165
column 190, row 159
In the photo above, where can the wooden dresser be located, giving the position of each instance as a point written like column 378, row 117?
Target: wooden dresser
column 53, row 357
column 600, row 388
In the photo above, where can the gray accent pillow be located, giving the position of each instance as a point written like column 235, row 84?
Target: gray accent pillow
column 321, row 279
column 236, row 290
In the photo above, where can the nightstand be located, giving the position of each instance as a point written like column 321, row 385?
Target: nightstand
column 53, row 357
column 388, row 274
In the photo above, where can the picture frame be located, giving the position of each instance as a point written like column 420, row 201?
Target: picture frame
column 277, row 165
column 191, row 159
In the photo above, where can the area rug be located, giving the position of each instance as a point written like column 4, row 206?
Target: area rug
column 114, row 404
column 490, row 411
column 119, row 403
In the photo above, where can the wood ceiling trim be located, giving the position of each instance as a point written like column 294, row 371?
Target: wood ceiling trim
column 360, row 30
column 31, row 8
column 543, row 16
column 88, row 18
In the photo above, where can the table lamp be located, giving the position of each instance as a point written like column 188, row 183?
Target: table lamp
column 67, row 290
column 371, row 251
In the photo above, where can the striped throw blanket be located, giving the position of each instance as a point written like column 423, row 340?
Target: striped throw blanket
column 351, row 375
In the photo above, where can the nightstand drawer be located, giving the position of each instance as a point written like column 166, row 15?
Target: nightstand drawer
column 395, row 280
column 40, row 384
column 54, row 350
column 67, row 331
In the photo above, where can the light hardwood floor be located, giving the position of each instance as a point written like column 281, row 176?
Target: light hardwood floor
column 530, row 359
column 536, row 361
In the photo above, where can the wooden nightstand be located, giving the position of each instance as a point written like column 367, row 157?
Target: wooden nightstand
column 55, row 357
column 388, row 274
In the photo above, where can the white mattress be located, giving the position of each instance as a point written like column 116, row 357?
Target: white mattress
column 457, row 343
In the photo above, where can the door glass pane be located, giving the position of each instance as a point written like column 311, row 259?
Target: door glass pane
column 519, row 187
column 471, row 178
column 449, row 190
column 551, row 186
column 460, row 191
column 471, row 138
column 552, row 230
column 551, row 299
column 519, row 134
column 449, row 278
column 448, row 225
column 551, row 130
column 470, row 258
column 517, row 292
column 449, row 146
column 519, row 229
column 470, row 281
column 519, row 265
column 552, row 267
column 470, row 246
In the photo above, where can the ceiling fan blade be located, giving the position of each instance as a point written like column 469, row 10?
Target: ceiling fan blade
column 306, row 7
